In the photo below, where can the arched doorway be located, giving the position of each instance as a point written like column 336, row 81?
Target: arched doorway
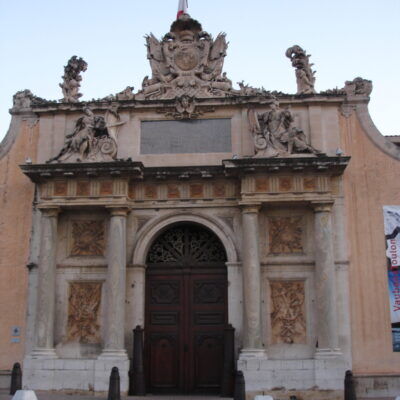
column 186, row 310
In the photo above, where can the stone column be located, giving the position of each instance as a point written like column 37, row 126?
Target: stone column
column 114, row 346
column 138, row 278
column 252, row 343
column 325, row 282
column 45, row 315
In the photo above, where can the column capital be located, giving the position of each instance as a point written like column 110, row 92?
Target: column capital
column 250, row 208
column 322, row 206
column 118, row 211
column 49, row 211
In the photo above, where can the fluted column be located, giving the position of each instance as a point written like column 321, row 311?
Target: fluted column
column 325, row 281
column 45, row 312
column 114, row 346
column 252, row 343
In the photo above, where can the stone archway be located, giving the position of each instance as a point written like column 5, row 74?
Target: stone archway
column 186, row 310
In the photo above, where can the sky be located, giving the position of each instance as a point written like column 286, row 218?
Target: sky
column 346, row 39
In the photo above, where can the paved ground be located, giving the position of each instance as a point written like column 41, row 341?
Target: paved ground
column 76, row 396
column 63, row 396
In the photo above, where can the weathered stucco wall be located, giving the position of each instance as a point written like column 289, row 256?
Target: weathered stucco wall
column 16, row 195
column 371, row 181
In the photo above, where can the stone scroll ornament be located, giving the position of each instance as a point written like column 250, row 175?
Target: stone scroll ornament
column 305, row 76
column 186, row 61
column 94, row 138
column 72, row 79
column 275, row 135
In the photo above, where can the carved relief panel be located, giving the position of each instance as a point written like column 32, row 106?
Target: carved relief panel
column 88, row 238
column 288, row 319
column 285, row 234
column 84, row 301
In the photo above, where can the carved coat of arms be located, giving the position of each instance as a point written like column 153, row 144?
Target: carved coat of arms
column 187, row 61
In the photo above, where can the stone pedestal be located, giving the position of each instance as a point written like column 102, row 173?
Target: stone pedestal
column 44, row 332
column 114, row 347
column 252, row 343
column 325, row 283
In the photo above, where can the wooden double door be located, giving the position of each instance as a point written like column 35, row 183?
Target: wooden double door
column 186, row 313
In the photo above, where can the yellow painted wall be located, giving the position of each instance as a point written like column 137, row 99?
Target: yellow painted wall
column 371, row 180
column 16, row 195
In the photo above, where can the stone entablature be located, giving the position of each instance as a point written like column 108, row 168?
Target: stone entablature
column 130, row 183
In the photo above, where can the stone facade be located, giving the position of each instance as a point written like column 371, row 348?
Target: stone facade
column 261, row 171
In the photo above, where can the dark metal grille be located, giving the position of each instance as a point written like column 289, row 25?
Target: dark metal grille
column 187, row 245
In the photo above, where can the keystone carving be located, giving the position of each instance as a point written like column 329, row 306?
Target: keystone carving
column 72, row 79
column 94, row 138
column 304, row 74
column 187, row 61
column 275, row 135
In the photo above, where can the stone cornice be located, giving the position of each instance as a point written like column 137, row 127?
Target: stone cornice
column 45, row 172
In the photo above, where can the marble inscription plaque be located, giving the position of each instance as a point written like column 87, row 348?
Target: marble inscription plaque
column 192, row 136
column 83, row 312
column 288, row 322
column 285, row 235
column 88, row 238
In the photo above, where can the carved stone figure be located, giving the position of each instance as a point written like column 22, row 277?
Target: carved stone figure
column 358, row 87
column 187, row 61
column 275, row 135
column 91, row 140
column 304, row 74
column 72, row 79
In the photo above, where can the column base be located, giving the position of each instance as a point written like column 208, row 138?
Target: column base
column 327, row 353
column 113, row 354
column 44, row 353
column 252, row 353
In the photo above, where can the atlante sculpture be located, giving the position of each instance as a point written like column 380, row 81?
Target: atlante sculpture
column 187, row 61
column 305, row 76
column 92, row 140
column 72, row 79
column 275, row 135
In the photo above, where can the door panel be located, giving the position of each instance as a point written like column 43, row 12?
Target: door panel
column 186, row 311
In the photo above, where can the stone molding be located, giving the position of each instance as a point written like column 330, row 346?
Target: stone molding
column 118, row 211
column 373, row 133
column 149, row 231
column 325, row 206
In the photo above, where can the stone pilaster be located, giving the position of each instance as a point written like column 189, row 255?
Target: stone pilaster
column 114, row 346
column 45, row 315
column 139, row 277
column 252, row 342
column 327, row 331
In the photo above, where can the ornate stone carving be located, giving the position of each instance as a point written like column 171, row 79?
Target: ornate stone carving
column 24, row 99
column 288, row 320
column 88, row 238
column 358, row 87
column 126, row 94
column 94, row 138
column 83, row 312
column 285, row 235
column 304, row 74
column 72, row 79
column 275, row 135
column 187, row 61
